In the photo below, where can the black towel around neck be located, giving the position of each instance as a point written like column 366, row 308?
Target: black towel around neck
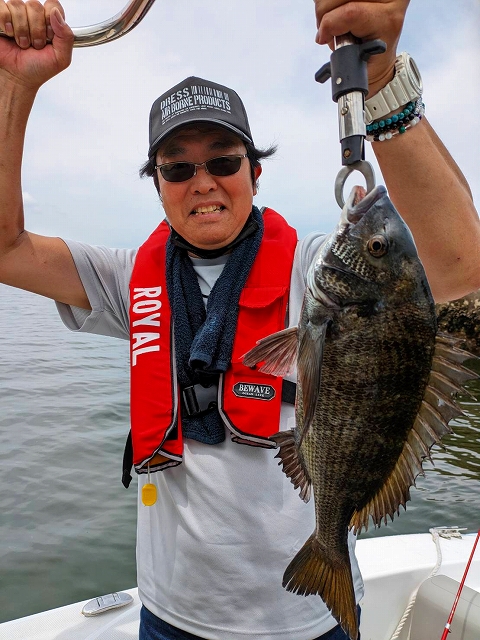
column 204, row 338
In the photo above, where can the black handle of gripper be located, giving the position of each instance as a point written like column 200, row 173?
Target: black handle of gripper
column 348, row 67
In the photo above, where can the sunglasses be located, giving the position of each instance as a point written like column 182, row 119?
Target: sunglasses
column 181, row 171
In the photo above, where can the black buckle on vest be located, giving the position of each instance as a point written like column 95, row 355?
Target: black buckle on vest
column 289, row 391
column 198, row 399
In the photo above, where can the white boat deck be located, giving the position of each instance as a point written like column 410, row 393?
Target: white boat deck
column 393, row 567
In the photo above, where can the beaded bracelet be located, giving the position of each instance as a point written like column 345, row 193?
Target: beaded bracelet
column 387, row 128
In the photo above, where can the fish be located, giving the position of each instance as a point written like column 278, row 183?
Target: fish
column 376, row 388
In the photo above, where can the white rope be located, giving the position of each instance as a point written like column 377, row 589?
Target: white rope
column 437, row 533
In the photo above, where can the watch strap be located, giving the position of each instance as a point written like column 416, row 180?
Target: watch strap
column 401, row 90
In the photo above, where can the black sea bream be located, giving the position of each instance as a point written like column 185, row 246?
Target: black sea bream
column 374, row 389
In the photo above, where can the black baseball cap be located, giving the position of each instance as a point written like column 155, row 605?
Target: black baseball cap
column 196, row 100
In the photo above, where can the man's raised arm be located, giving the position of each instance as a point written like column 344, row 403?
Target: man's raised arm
column 423, row 181
column 29, row 261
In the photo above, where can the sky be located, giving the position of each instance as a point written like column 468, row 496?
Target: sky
column 88, row 132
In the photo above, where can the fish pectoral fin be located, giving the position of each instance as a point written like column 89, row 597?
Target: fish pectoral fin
column 310, row 355
column 292, row 464
column 438, row 407
column 278, row 352
column 312, row 572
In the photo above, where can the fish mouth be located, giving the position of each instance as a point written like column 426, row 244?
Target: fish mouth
column 359, row 202
column 345, row 271
column 331, row 301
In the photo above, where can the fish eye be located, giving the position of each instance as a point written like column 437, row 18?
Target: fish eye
column 377, row 246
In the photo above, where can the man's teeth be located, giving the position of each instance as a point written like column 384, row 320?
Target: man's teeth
column 207, row 209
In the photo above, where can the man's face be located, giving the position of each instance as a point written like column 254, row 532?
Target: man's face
column 208, row 211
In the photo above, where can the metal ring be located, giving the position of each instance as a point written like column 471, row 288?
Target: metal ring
column 365, row 169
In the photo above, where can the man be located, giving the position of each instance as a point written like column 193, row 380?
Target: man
column 217, row 521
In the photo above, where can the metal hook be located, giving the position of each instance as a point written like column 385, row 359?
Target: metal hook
column 365, row 169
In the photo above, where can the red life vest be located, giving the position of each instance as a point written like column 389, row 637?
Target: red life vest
column 249, row 401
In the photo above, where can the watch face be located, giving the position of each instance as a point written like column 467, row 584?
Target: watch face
column 414, row 74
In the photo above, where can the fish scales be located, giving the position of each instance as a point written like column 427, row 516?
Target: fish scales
column 374, row 390
column 357, row 397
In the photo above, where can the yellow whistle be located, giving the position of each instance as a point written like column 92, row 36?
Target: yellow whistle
column 149, row 491
column 149, row 494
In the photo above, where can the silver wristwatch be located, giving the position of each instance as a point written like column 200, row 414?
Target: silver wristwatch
column 406, row 86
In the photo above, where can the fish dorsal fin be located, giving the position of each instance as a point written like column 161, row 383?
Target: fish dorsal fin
column 431, row 424
column 291, row 462
column 278, row 352
column 448, row 359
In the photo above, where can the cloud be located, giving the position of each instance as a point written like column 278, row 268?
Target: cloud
column 88, row 132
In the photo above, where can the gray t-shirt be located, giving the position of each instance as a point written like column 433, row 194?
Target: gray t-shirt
column 212, row 550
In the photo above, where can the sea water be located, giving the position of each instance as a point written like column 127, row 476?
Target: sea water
column 67, row 524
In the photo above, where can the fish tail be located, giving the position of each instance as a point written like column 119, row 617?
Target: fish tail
column 311, row 572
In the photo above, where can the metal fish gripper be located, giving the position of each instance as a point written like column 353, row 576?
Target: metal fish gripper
column 348, row 71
